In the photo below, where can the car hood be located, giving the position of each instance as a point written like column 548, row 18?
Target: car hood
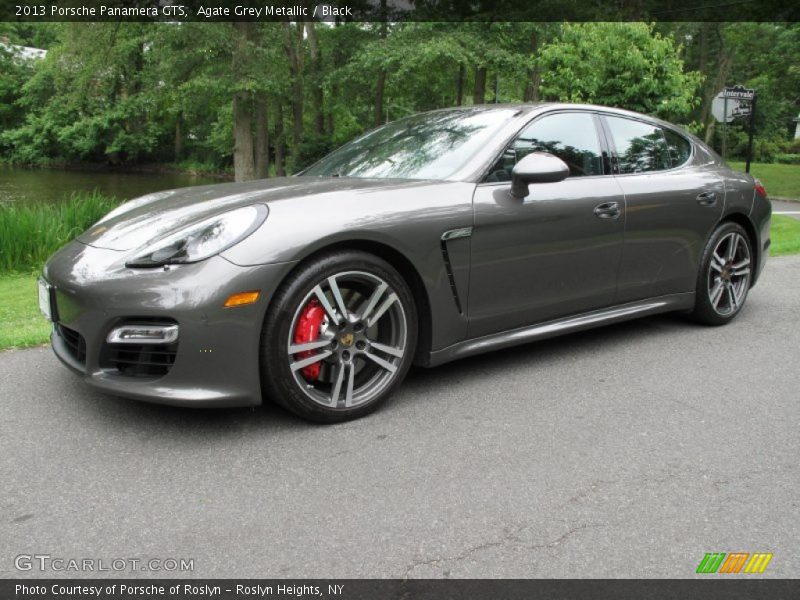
column 141, row 220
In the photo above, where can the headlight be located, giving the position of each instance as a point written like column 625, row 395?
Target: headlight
column 201, row 240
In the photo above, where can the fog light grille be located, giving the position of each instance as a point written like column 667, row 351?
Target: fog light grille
column 140, row 359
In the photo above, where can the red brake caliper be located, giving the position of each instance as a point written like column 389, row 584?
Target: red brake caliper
column 307, row 330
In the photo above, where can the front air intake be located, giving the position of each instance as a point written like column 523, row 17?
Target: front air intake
column 139, row 348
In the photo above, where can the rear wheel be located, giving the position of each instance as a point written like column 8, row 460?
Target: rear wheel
column 339, row 337
column 725, row 275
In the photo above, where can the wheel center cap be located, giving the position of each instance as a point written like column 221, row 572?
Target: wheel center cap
column 346, row 339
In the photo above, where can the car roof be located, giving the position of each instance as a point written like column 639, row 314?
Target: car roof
column 530, row 107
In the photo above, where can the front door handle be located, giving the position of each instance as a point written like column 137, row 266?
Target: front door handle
column 607, row 210
column 707, row 199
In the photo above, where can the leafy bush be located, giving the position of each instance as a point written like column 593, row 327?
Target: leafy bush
column 30, row 233
column 792, row 147
column 788, row 159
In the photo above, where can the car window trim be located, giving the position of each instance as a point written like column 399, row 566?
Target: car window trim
column 538, row 116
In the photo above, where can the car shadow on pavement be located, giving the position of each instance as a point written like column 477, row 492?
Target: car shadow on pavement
column 597, row 342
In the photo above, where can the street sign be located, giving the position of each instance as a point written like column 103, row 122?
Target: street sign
column 742, row 110
column 723, row 108
column 738, row 92
column 733, row 103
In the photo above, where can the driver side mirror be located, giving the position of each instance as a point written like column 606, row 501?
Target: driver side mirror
column 536, row 167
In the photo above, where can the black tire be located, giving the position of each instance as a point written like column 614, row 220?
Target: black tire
column 280, row 382
column 705, row 311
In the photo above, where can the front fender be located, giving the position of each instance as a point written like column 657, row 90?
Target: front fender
column 408, row 218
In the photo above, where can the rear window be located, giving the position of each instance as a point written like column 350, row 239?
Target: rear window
column 641, row 147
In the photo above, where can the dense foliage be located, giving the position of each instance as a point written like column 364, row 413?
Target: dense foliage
column 269, row 98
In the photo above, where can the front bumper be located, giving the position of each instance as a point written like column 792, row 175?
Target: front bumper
column 216, row 362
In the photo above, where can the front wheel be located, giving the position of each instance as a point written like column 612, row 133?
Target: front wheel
column 340, row 336
column 724, row 278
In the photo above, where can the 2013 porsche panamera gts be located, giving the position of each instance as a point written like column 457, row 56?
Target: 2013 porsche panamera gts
column 435, row 237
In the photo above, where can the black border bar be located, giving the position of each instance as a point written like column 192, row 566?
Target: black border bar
column 400, row 10
column 706, row 588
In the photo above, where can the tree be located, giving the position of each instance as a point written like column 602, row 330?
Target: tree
column 626, row 65
column 273, row 97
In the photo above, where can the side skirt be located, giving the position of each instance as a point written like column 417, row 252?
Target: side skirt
column 596, row 318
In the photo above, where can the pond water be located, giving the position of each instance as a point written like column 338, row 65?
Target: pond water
column 55, row 185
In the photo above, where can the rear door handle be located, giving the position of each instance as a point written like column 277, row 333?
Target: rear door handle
column 607, row 210
column 707, row 199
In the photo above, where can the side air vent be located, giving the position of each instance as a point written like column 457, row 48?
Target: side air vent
column 453, row 234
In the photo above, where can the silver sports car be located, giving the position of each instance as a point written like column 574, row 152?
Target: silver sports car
column 438, row 236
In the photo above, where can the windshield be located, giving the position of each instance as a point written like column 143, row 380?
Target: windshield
column 427, row 146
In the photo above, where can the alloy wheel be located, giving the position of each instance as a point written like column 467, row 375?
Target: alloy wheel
column 356, row 348
column 729, row 274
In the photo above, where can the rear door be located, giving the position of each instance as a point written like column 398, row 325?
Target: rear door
column 673, row 200
column 556, row 252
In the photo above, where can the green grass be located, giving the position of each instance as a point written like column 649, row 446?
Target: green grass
column 21, row 323
column 30, row 233
column 785, row 236
column 781, row 181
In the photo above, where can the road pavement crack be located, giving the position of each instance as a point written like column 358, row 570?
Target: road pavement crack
column 509, row 537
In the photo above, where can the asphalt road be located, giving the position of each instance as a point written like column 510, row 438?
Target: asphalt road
column 628, row 451
column 791, row 209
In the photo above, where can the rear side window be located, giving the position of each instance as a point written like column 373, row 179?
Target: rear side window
column 572, row 137
column 679, row 147
column 640, row 147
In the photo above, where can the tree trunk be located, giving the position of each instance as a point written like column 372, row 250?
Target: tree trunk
column 262, row 137
column 331, row 126
column 316, row 71
column 534, row 77
column 479, row 96
column 380, row 85
column 460, row 85
column 243, row 167
column 336, row 59
column 280, row 169
column 293, row 40
column 178, row 154
column 723, row 70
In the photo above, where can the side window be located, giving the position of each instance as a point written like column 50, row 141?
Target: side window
column 679, row 147
column 572, row 137
column 640, row 147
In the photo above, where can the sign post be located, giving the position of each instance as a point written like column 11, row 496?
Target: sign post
column 724, row 126
column 750, row 133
